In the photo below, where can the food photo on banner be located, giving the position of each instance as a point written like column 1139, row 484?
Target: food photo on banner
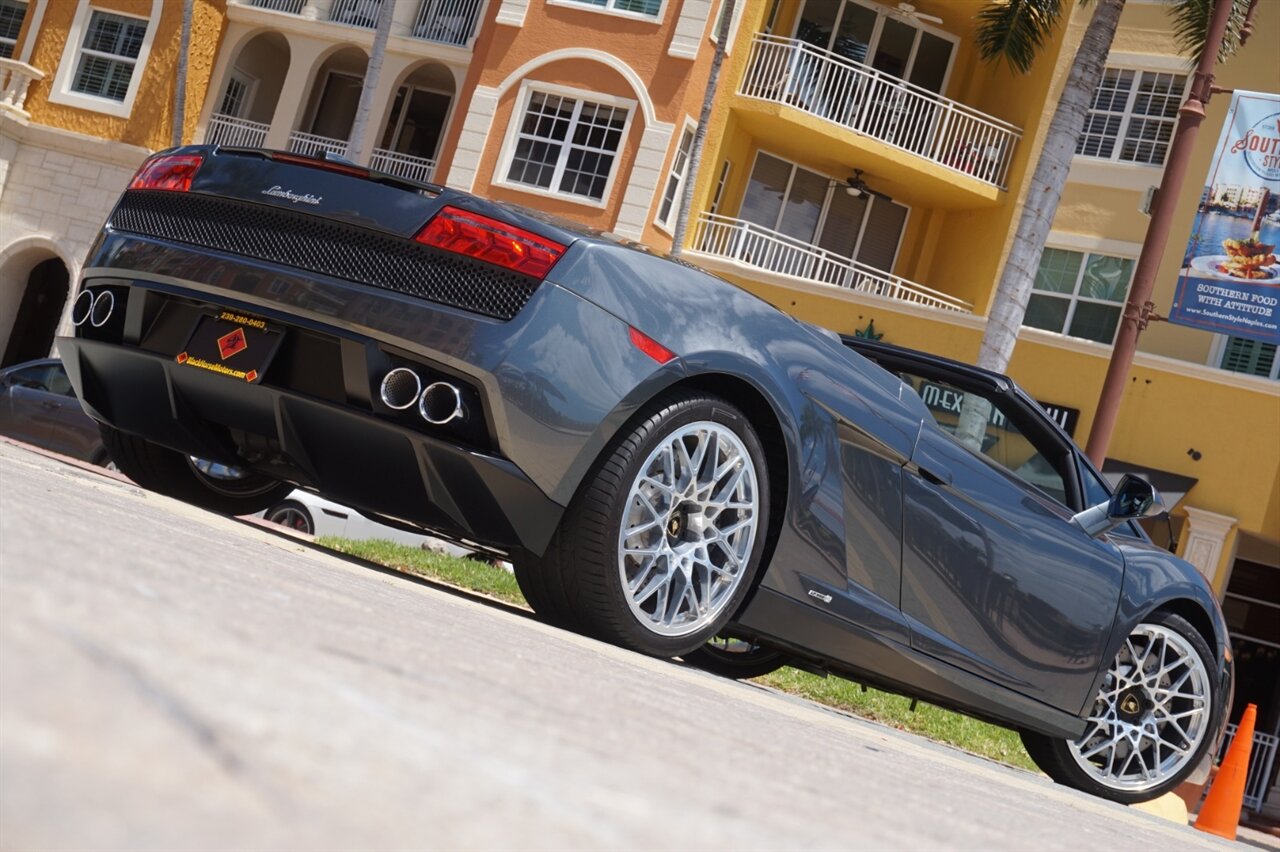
column 1230, row 278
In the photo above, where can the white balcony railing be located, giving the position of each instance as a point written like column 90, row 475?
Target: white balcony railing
column 404, row 165
column 357, row 13
column 312, row 145
column 752, row 245
column 293, row 7
column 875, row 104
column 229, row 130
column 15, row 78
column 447, row 21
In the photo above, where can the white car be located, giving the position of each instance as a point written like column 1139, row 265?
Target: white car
column 314, row 515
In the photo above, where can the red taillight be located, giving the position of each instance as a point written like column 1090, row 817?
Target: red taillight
column 316, row 163
column 488, row 239
column 651, row 347
column 172, row 172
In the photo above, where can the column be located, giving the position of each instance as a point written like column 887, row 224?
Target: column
column 303, row 54
column 1206, row 539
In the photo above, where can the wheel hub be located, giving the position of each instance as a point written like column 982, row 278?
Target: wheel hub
column 1132, row 704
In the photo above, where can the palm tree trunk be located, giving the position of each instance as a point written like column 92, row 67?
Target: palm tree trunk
column 180, row 79
column 1043, row 195
column 700, row 135
column 360, row 143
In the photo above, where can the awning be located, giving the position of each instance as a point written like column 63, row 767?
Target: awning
column 1172, row 486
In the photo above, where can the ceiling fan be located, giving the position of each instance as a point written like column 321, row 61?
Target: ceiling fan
column 908, row 12
column 858, row 188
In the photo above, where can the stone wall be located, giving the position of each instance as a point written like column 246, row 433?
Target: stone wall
column 56, row 189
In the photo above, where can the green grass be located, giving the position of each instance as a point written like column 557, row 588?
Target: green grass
column 927, row 720
column 464, row 573
column 970, row 734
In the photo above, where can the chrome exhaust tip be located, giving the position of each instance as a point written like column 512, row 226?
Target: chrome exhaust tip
column 103, row 304
column 81, row 308
column 441, row 403
column 400, row 388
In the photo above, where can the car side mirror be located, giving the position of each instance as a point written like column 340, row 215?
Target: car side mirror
column 1133, row 498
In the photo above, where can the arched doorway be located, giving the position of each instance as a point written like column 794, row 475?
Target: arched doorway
column 331, row 105
column 410, row 140
column 38, row 310
column 251, row 89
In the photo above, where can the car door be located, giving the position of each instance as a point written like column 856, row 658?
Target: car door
column 995, row 578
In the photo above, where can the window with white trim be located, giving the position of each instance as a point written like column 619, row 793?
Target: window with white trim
column 11, row 14
column 1252, row 357
column 108, row 55
column 1079, row 294
column 567, row 145
column 1132, row 116
column 238, row 94
column 675, row 180
column 648, row 8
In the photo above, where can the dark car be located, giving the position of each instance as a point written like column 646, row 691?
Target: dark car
column 39, row 406
column 671, row 464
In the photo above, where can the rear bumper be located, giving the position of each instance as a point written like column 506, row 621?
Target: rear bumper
column 348, row 455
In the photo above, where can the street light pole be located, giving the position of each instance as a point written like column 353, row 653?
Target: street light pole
column 1138, row 308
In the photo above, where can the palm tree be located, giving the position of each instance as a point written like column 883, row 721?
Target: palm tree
column 180, row 79
column 1014, row 31
column 358, row 146
column 700, row 135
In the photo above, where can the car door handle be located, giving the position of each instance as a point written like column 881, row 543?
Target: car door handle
column 52, row 406
column 940, row 476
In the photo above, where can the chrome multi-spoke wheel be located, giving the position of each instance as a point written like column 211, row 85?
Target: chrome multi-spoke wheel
column 1151, row 714
column 1152, row 722
column 689, row 525
column 662, row 542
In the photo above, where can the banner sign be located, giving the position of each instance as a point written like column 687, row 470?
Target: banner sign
column 1230, row 278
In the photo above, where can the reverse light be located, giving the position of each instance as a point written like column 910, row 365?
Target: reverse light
column 651, row 347
column 172, row 172
column 473, row 235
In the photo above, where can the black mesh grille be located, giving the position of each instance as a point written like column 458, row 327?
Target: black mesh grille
column 329, row 248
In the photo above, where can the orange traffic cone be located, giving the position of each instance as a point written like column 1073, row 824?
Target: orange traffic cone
column 1220, row 813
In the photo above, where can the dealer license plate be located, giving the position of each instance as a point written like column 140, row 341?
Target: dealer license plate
column 234, row 345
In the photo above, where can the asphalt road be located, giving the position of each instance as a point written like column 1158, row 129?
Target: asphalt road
column 171, row 679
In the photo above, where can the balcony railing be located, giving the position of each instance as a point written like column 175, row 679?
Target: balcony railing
column 229, row 130
column 447, row 21
column 15, row 78
column 313, row 145
column 404, row 165
column 752, row 245
column 357, row 13
column 871, row 103
column 293, row 7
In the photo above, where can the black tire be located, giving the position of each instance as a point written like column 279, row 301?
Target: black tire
column 1056, row 758
column 578, row 582
column 171, row 473
column 735, row 658
column 292, row 515
column 532, row 576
